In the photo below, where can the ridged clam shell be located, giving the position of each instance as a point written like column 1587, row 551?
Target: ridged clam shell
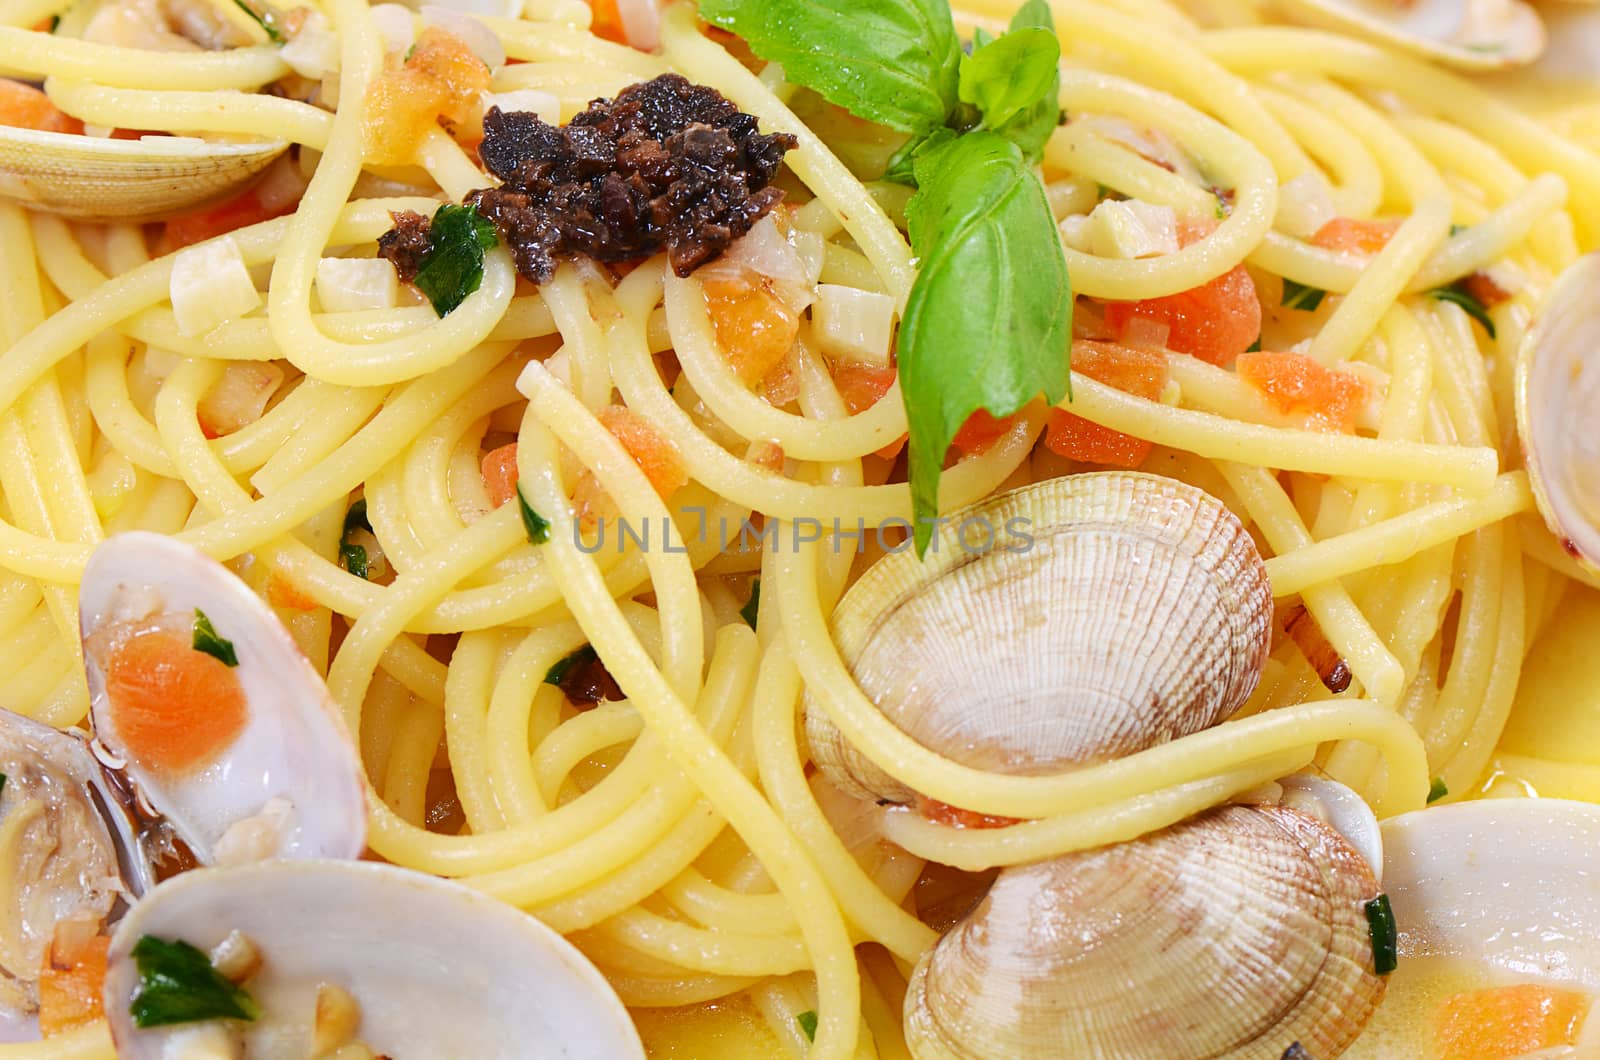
column 92, row 178
column 1139, row 613
column 1467, row 34
column 1558, row 399
column 1236, row 933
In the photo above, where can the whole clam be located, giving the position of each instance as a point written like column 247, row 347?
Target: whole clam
column 1468, row 34
column 419, row 967
column 1116, row 611
column 1557, row 398
column 1236, row 933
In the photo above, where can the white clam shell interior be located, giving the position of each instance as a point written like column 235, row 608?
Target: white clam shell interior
column 439, row 970
column 293, row 747
column 1345, row 811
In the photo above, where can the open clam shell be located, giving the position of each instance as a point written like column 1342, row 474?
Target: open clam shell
column 437, row 970
column 1469, row 34
column 1235, row 933
column 1114, row 611
column 287, row 782
column 93, row 178
column 1557, row 399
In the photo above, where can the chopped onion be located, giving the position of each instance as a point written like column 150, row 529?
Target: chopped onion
column 348, row 284
column 854, row 325
column 813, row 251
column 1075, row 232
column 529, row 100
column 478, row 37
column 764, row 250
column 210, row 284
column 1152, row 145
column 395, row 26
column 641, row 23
column 282, row 186
column 1305, row 204
column 239, row 397
column 1132, row 229
column 313, row 51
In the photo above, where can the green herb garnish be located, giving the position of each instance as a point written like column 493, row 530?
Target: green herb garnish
column 562, row 667
column 537, row 526
column 987, row 324
column 1456, row 230
column 2, row 782
column 55, row 23
column 749, row 610
column 1385, row 938
column 266, row 18
column 1299, row 296
column 453, row 266
column 354, row 556
column 808, row 1023
column 1437, row 790
column 177, row 984
column 1458, row 294
column 1254, row 347
column 206, row 640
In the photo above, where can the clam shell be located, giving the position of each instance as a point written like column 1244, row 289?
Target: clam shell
column 1235, row 933
column 439, row 970
column 1468, row 34
column 1557, row 399
column 1139, row 611
column 97, row 179
column 293, row 754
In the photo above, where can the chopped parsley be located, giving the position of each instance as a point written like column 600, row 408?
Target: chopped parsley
column 537, row 526
column 749, row 610
column 177, row 984
column 1458, row 294
column 453, row 266
column 1385, row 937
column 557, row 673
column 207, row 640
column 1299, row 296
column 808, row 1023
column 266, row 18
column 354, row 556
column 1437, row 790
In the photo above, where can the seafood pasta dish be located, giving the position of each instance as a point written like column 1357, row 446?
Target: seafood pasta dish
column 799, row 528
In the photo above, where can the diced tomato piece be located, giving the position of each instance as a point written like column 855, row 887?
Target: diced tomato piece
column 25, row 107
column 1506, row 1021
column 1353, row 236
column 1296, row 385
column 500, row 473
column 1131, row 369
column 441, row 80
column 978, row 435
column 754, row 328
column 606, row 21
column 657, row 457
column 1215, row 322
column 862, row 386
column 175, row 708
column 70, row 987
column 955, row 817
column 1481, row 286
column 241, row 211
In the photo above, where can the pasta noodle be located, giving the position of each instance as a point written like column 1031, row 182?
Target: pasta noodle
column 676, row 835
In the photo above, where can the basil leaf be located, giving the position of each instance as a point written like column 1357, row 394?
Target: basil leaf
column 1299, row 296
column 893, row 62
column 808, row 1024
column 1032, row 126
column 177, row 984
column 355, row 559
column 1385, row 937
column 1437, row 790
column 1458, row 294
column 356, row 518
column 453, row 266
column 206, row 640
column 989, row 319
column 537, row 526
column 902, row 165
column 1010, row 74
column 266, row 18
column 753, row 606
column 585, row 654
column 980, row 37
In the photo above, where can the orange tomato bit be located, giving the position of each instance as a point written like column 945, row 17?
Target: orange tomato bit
column 1506, row 1021
column 754, row 328
column 1130, row 369
column 606, row 21
column 657, row 457
column 862, row 386
column 70, row 987
column 210, row 221
column 955, row 817
column 1296, row 385
column 978, row 435
column 1355, row 237
column 440, row 79
column 500, row 473
column 175, row 708
column 25, row 107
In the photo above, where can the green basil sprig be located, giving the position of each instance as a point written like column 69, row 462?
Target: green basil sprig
column 178, row 984
column 988, row 322
column 453, row 266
